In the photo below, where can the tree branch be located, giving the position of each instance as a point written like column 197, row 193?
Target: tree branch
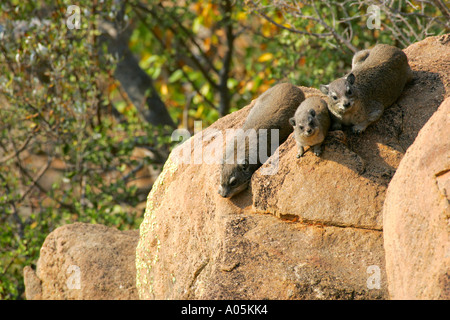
column 336, row 35
column 18, row 151
column 137, row 83
column 444, row 9
column 224, row 105
column 291, row 29
column 194, row 59
column 192, row 39
column 157, row 37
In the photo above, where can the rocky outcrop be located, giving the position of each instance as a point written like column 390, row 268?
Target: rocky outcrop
column 309, row 228
column 196, row 245
column 312, row 229
column 84, row 262
column 358, row 168
column 416, row 215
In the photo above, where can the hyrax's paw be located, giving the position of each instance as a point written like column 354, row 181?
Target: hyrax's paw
column 300, row 151
column 358, row 129
column 317, row 151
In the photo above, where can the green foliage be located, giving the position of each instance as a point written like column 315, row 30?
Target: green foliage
column 53, row 102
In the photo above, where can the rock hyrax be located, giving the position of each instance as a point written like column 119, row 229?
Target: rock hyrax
column 375, row 83
column 311, row 123
column 271, row 110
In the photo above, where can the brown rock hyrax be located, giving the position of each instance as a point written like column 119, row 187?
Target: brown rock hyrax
column 311, row 123
column 271, row 111
column 376, row 81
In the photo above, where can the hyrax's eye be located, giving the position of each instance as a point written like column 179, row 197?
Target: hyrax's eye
column 310, row 123
column 232, row 181
column 300, row 127
column 334, row 97
column 349, row 91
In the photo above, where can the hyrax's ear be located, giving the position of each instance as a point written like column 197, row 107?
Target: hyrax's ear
column 312, row 112
column 245, row 165
column 350, row 78
column 324, row 88
column 292, row 121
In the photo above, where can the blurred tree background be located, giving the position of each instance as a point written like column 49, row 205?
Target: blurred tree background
column 87, row 111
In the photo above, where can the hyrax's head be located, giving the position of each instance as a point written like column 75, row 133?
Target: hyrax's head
column 234, row 178
column 305, row 120
column 341, row 93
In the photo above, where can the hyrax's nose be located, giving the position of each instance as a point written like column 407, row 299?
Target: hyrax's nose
column 309, row 130
column 221, row 191
column 346, row 104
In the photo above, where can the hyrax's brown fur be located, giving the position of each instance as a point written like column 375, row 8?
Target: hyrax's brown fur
column 271, row 110
column 377, row 79
column 311, row 123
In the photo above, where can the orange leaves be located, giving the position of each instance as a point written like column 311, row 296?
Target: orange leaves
column 206, row 11
column 265, row 57
column 31, row 116
column 164, row 89
column 112, row 86
column 310, row 26
column 302, row 61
